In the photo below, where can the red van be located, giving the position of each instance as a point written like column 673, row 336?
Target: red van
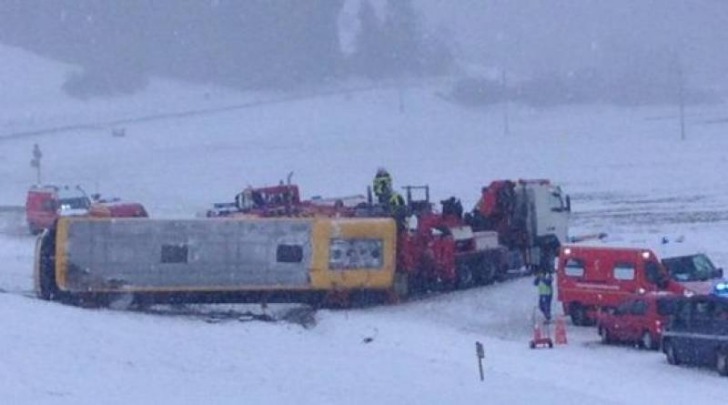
column 640, row 319
column 44, row 204
column 590, row 278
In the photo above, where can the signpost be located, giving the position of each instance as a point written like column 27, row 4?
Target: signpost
column 35, row 161
column 480, row 352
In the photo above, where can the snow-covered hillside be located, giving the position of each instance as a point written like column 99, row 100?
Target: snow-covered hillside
column 627, row 170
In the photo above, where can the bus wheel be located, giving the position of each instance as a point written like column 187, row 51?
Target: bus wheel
column 121, row 301
column 48, row 288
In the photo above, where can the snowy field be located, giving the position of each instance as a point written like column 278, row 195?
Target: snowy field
column 627, row 170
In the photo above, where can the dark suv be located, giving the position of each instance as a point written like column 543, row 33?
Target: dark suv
column 698, row 333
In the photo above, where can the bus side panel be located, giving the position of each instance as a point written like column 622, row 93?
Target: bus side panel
column 103, row 255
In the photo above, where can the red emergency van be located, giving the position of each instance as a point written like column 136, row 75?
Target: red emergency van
column 591, row 278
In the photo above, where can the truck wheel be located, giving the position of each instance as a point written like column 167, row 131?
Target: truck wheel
column 547, row 261
column 401, row 285
column 488, row 272
column 604, row 335
column 465, row 276
column 721, row 362
column 647, row 342
column 578, row 314
column 671, row 353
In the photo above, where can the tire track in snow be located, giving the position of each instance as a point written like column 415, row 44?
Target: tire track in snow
column 629, row 210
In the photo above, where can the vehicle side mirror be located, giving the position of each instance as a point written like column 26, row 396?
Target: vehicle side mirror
column 566, row 207
column 718, row 273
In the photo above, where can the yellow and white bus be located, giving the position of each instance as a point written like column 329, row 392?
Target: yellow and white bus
column 215, row 260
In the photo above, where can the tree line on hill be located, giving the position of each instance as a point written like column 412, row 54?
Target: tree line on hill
column 246, row 44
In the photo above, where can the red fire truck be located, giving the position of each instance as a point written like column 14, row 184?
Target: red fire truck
column 44, row 204
column 594, row 278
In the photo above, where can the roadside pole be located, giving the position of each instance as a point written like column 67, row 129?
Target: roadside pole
column 35, row 162
column 480, row 353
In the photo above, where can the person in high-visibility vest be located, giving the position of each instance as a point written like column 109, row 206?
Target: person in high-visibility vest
column 382, row 186
column 544, row 283
column 398, row 208
column 396, row 200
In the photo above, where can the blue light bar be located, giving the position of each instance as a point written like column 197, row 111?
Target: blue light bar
column 721, row 288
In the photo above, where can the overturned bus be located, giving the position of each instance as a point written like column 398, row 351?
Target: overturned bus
column 214, row 260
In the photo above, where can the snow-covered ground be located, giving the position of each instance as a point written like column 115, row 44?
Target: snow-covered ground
column 627, row 170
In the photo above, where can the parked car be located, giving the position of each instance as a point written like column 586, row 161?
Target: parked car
column 639, row 319
column 698, row 333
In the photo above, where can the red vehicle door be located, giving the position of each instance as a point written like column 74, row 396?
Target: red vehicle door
column 40, row 209
column 618, row 323
column 634, row 324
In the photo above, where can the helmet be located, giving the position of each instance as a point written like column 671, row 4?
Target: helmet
column 381, row 170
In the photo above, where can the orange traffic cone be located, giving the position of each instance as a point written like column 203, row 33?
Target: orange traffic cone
column 537, row 332
column 541, row 332
column 560, row 332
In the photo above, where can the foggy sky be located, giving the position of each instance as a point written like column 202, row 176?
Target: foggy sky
column 243, row 42
column 569, row 34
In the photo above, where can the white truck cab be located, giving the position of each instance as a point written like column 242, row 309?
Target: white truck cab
column 548, row 209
